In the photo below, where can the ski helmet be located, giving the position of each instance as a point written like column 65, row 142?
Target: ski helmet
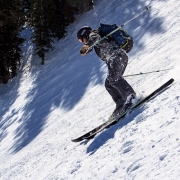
column 84, row 32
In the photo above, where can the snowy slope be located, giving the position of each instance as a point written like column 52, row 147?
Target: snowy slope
column 46, row 106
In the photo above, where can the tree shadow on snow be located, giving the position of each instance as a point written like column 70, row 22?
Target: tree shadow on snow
column 59, row 92
column 9, row 94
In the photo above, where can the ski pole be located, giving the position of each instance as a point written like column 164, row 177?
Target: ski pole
column 97, row 42
column 146, row 9
column 145, row 73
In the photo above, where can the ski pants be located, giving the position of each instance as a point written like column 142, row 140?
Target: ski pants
column 115, row 84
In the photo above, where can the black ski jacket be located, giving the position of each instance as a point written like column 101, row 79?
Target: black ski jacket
column 105, row 48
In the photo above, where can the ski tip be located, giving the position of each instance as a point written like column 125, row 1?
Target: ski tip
column 171, row 80
column 75, row 140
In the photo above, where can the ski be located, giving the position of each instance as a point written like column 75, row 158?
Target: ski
column 109, row 123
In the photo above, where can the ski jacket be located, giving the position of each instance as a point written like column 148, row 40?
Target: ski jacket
column 105, row 48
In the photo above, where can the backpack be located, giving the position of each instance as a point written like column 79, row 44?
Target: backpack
column 122, row 38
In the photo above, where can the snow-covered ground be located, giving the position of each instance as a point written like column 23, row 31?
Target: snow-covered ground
column 46, row 106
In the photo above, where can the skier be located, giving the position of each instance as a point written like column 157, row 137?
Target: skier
column 116, row 60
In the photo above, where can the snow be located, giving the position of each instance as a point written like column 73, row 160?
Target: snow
column 47, row 106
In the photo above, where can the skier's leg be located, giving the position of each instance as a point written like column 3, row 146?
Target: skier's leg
column 118, row 87
column 116, row 66
column 112, row 91
column 123, row 88
column 115, row 96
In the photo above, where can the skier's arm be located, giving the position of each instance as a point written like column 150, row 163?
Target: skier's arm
column 93, row 37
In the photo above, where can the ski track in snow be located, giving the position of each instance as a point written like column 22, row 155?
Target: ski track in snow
column 47, row 106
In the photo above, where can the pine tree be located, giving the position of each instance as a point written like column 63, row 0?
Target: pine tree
column 56, row 19
column 82, row 5
column 11, row 23
column 26, row 4
column 69, row 10
column 41, row 36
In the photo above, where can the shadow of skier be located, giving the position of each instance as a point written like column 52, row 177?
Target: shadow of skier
column 109, row 133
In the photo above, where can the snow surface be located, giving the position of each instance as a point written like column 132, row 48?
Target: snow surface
column 46, row 106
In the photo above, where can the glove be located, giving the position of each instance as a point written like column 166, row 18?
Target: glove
column 84, row 50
